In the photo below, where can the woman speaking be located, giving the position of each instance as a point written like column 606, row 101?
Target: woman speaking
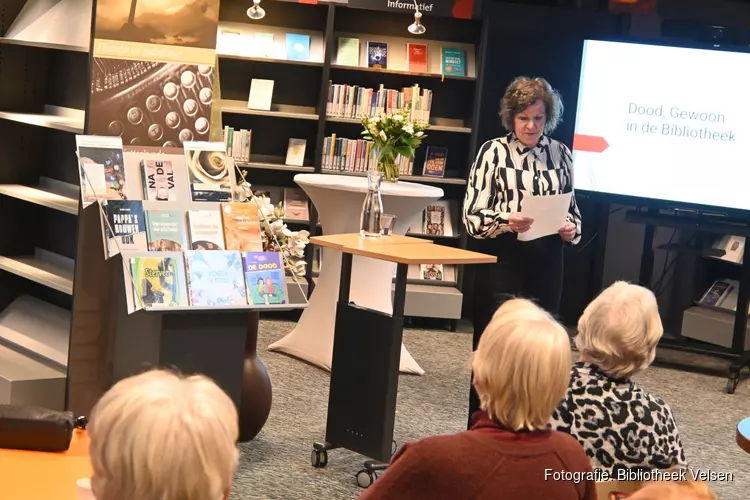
column 523, row 163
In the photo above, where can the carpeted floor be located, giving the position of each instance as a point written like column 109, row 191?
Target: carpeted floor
column 276, row 465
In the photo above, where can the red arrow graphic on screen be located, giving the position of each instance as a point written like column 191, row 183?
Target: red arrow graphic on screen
column 590, row 143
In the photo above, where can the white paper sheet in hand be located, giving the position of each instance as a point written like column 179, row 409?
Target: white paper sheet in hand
column 548, row 212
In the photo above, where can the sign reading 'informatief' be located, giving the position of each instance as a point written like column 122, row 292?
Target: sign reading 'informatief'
column 462, row 9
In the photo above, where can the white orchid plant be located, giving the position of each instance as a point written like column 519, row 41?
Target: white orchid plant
column 393, row 134
column 277, row 237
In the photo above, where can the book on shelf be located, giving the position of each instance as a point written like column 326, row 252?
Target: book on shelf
column 348, row 52
column 264, row 278
column 297, row 47
column 165, row 230
column 159, row 281
column 377, row 55
column 355, row 155
column 416, row 57
column 454, row 61
column 295, row 152
column 717, row 294
column 295, row 204
column 231, row 42
column 261, row 94
column 237, row 143
column 353, row 101
column 215, row 278
column 206, row 230
column 101, row 168
column 241, row 223
column 432, row 272
column 435, row 160
column 158, row 180
column 210, row 174
column 263, row 45
column 124, row 226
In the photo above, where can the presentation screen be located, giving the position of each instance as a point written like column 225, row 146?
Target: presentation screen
column 664, row 123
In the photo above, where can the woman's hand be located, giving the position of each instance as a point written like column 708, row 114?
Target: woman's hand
column 519, row 223
column 568, row 232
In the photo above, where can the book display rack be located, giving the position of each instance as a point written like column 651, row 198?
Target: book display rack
column 307, row 72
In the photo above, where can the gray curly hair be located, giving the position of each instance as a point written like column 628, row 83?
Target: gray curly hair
column 525, row 91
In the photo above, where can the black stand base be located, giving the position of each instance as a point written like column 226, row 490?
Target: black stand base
column 735, row 370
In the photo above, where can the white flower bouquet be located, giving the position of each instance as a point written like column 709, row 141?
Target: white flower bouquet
column 393, row 134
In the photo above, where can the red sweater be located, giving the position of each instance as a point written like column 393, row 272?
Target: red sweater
column 487, row 462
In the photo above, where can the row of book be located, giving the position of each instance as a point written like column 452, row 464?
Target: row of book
column 358, row 155
column 355, row 155
column 237, row 143
column 353, row 101
column 452, row 59
column 209, row 279
column 128, row 227
column 293, row 46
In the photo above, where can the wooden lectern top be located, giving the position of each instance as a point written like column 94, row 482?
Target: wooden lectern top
column 355, row 240
column 400, row 250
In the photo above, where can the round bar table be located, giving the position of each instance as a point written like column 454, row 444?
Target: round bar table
column 743, row 434
column 338, row 199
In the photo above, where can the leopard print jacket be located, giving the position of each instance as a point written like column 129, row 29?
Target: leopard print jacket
column 618, row 424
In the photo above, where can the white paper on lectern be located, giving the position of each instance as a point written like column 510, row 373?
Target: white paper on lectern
column 549, row 214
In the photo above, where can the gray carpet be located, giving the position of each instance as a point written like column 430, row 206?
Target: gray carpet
column 276, row 465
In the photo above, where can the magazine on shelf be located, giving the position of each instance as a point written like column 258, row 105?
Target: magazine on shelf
column 124, row 226
column 264, row 277
column 215, row 278
column 158, row 280
column 210, row 171
column 101, row 168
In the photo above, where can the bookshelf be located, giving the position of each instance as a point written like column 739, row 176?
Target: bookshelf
column 43, row 93
column 300, row 96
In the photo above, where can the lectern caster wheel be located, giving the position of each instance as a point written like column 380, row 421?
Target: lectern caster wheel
column 732, row 384
column 365, row 478
column 319, row 458
column 394, row 447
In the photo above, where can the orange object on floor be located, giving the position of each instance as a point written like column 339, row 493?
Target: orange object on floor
column 34, row 475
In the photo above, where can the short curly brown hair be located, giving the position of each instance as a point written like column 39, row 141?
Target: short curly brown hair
column 525, row 91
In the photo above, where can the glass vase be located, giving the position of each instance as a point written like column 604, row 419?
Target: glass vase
column 372, row 208
column 386, row 164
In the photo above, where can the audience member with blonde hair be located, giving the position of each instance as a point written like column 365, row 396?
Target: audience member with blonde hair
column 619, row 425
column 675, row 490
column 162, row 436
column 521, row 369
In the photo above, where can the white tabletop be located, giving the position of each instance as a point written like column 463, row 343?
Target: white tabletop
column 358, row 184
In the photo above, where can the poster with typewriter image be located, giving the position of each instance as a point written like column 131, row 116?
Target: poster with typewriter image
column 187, row 23
column 151, row 103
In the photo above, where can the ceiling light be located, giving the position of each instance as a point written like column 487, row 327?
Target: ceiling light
column 417, row 28
column 256, row 11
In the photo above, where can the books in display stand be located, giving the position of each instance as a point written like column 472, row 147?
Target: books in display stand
column 184, row 240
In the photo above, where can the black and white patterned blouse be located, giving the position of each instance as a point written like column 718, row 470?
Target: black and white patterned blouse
column 504, row 171
column 619, row 425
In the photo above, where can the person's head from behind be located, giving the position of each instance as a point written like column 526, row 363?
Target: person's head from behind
column 162, row 436
column 674, row 490
column 619, row 330
column 522, row 366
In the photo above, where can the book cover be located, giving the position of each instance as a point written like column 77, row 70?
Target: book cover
column 716, row 294
column 215, row 278
column 158, row 180
column 454, row 61
column 431, row 272
column 416, row 57
column 434, row 161
column 166, row 231
column 241, row 227
column 295, row 153
column 124, row 226
column 434, row 221
column 295, row 204
column 101, row 168
column 261, row 94
column 348, row 53
column 264, row 277
column 297, row 47
column 209, row 171
column 206, row 230
column 159, row 281
column 377, row 55
column 263, row 45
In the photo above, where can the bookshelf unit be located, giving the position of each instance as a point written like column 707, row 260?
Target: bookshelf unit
column 300, row 95
column 43, row 94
